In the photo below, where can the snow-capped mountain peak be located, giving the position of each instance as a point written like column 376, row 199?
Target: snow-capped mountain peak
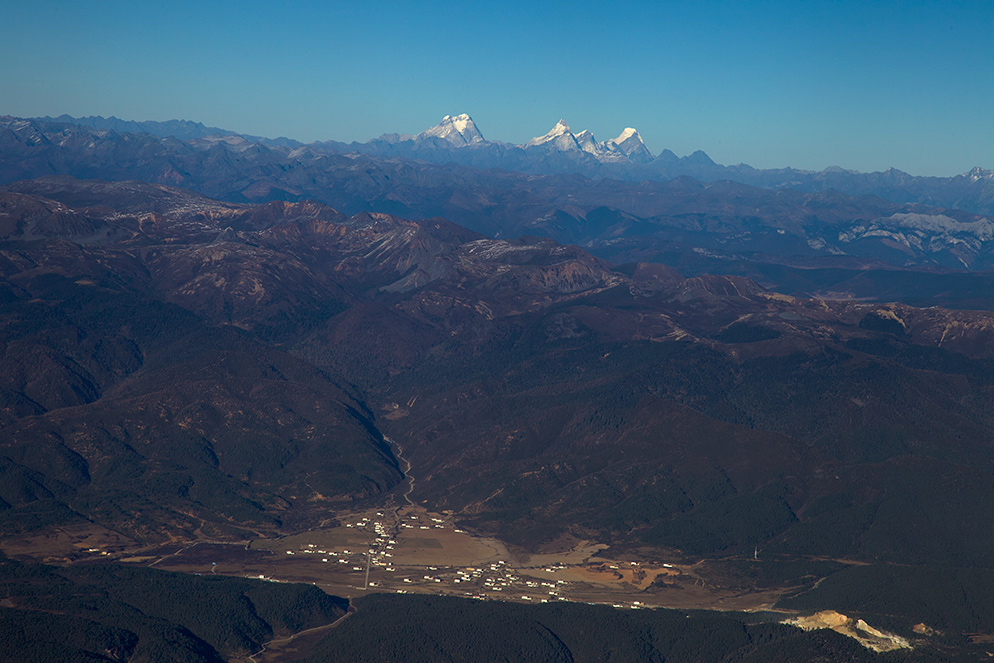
column 626, row 147
column 630, row 143
column 604, row 152
column 458, row 130
column 585, row 140
column 561, row 136
column 977, row 173
column 626, row 134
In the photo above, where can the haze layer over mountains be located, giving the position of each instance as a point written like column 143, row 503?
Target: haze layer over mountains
column 457, row 139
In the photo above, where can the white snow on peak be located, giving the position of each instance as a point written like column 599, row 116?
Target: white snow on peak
column 626, row 147
column 631, row 145
column 626, row 134
column 602, row 151
column 586, row 141
column 458, row 130
column 461, row 131
column 977, row 173
column 460, row 122
column 606, row 152
column 561, row 130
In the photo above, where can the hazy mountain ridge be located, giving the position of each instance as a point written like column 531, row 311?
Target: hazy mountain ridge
column 624, row 158
column 627, row 158
column 181, row 129
column 721, row 222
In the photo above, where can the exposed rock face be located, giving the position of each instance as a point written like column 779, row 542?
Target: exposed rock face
column 859, row 630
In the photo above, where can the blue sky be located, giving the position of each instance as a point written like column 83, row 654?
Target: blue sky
column 863, row 85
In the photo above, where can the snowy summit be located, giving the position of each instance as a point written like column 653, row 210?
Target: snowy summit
column 630, row 143
column 458, row 130
column 560, row 136
column 626, row 147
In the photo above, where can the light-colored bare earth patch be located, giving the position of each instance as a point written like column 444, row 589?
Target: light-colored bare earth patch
column 866, row 635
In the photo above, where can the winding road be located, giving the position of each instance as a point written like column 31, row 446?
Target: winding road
column 282, row 641
column 406, row 471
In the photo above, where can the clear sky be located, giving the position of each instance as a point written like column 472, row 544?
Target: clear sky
column 863, row 85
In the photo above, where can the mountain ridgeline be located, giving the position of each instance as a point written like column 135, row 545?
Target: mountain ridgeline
column 458, row 140
column 824, row 244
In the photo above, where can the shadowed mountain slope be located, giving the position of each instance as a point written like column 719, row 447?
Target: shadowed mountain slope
column 184, row 365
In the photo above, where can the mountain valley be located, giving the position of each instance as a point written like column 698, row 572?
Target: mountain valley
column 216, row 352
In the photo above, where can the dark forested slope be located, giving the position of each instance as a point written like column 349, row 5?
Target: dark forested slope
column 120, row 613
column 227, row 366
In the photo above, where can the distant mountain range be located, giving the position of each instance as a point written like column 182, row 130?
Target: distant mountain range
column 457, row 139
column 718, row 227
column 181, row 129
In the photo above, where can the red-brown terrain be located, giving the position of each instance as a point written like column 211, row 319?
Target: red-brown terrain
column 178, row 369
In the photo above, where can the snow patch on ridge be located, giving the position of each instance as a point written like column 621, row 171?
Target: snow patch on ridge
column 982, row 229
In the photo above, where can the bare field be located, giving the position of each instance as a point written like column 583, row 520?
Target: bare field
column 412, row 550
column 608, row 573
column 66, row 544
column 577, row 554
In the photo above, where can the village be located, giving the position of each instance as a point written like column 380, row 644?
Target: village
column 412, row 550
